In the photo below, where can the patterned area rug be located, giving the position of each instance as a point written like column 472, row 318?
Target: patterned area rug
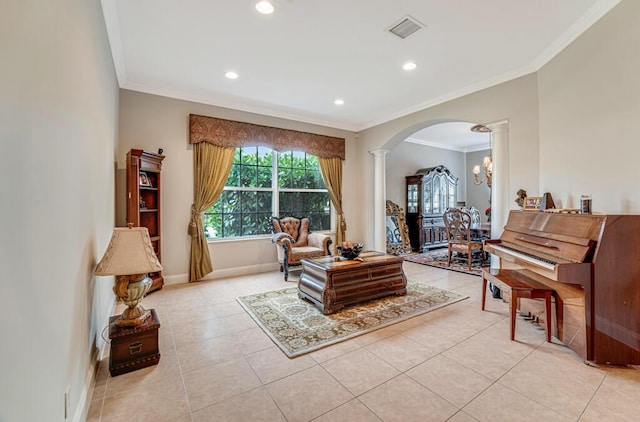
column 438, row 258
column 298, row 327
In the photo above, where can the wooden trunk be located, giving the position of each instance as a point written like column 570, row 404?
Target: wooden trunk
column 331, row 284
column 134, row 348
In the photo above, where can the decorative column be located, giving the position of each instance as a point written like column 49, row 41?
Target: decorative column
column 500, row 180
column 379, row 200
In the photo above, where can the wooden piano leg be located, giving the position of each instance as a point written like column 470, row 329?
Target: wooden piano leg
column 560, row 316
column 547, row 309
column 484, row 290
column 513, row 305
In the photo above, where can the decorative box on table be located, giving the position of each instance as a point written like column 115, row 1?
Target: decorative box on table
column 133, row 348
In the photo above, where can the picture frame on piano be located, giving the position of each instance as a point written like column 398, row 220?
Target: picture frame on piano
column 532, row 203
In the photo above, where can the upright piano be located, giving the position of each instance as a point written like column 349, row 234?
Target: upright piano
column 592, row 261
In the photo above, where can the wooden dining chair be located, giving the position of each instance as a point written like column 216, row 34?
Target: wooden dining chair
column 458, row 226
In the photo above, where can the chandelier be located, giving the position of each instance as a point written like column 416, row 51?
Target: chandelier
column 487, row 166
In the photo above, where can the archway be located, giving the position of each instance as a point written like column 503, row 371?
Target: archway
column 499, row 191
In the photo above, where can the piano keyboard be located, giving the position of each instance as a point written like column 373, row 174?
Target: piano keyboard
column 533, row 259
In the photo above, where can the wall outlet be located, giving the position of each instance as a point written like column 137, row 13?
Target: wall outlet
column 67, row 402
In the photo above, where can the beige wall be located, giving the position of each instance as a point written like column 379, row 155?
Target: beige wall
column 589, row 108
column 515, row 101
column 150, row 122
column 477, row 195
column 58, row 127
column 407, row 158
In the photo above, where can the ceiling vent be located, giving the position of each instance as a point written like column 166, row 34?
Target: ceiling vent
column 405, row 27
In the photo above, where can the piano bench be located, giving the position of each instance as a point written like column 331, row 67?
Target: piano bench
column 523, row 286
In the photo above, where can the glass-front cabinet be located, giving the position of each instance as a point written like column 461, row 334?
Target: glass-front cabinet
column 429, row 193
column 412, row 198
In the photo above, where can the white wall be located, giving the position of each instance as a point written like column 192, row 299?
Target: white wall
column 589, row 108
column 58, row 125
column 150, row 122
column 408, row 157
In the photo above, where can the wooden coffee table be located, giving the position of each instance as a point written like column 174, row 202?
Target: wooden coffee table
column 332, row 284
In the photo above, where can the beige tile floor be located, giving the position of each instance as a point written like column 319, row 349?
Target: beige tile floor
column 453, row 364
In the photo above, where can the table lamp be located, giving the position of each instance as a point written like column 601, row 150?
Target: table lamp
column 130, row 257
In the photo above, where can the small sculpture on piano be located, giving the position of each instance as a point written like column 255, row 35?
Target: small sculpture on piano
column 520, row 198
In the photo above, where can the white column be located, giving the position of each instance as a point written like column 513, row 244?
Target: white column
column 379, row 200
column 500, row 181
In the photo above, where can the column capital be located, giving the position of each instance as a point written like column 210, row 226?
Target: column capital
column 380, row 152
column 498, row 125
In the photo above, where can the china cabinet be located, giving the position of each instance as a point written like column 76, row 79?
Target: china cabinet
column 430, row 191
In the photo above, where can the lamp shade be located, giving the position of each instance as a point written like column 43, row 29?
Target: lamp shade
column 129, row 252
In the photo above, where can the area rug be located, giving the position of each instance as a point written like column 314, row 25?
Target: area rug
column 438, row 258
column 298, row 327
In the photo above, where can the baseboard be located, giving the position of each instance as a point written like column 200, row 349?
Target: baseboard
column 97, row 354
column 224, row 273
column 175, row 279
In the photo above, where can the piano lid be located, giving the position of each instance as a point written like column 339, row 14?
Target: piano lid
column 558, row 237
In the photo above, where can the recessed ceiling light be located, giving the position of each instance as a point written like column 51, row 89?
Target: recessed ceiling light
column 231, row 75
column 339, row 101
column 409, row 66
column 264, row 7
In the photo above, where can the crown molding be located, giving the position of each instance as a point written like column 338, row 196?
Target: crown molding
column 591, row 16
column 247, row 105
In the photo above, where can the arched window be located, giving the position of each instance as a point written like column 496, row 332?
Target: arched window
column 265, row 183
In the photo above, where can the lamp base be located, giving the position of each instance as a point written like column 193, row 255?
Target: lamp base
column 131, row 289
column 132, row 317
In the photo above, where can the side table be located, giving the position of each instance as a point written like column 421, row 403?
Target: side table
column 133, row 347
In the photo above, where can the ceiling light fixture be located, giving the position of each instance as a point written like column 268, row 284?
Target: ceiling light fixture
column 409, row 66
column 264, row 7
column 339, row 101
column 231, row 75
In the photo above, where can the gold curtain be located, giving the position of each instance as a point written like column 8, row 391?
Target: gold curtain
column 331, row 170
column 211, row 167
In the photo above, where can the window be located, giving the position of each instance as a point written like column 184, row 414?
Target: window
column 263, row 183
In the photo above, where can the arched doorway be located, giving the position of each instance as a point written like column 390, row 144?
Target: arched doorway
column 499, row 146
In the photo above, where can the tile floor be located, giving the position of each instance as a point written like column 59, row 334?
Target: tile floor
column 453, row 364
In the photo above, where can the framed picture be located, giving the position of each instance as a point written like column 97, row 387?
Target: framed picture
column 532, row 203
column 144, row 179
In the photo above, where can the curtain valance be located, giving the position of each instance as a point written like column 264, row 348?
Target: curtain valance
column 230, row 133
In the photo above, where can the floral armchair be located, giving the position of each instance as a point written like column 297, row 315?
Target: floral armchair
column 294, row 241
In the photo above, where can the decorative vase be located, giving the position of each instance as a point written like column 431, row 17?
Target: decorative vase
column 350, row 252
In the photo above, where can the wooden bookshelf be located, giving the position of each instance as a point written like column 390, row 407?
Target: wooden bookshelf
column 143, row 199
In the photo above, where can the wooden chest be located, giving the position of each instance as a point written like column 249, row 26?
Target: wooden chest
column 332, row 284
column 135, row 347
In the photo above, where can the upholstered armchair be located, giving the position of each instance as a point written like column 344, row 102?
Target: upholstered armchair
column 294, row 241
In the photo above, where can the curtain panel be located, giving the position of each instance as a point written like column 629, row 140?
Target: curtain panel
column 211, row 167
column 331, row 170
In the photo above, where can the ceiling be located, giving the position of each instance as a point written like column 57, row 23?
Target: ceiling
column 455, row 136
column 295, row 62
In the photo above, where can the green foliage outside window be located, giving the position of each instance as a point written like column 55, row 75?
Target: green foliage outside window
column 246, row 205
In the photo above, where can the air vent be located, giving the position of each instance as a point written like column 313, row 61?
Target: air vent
column 405, row 27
